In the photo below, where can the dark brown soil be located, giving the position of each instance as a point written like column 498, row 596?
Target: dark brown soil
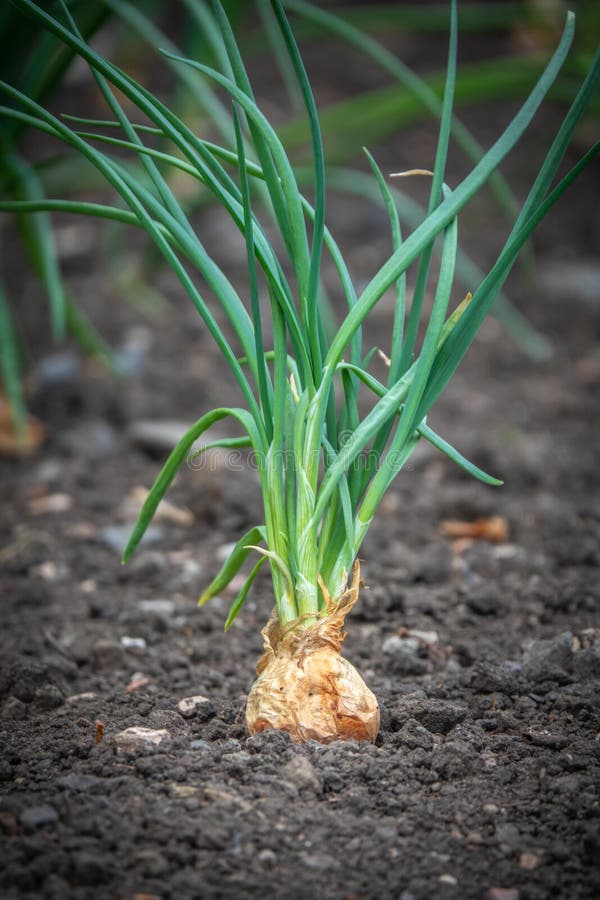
column 484, row 780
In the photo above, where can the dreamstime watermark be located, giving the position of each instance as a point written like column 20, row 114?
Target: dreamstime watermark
column 236, row 459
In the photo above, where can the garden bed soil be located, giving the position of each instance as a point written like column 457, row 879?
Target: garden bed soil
column 483, row 782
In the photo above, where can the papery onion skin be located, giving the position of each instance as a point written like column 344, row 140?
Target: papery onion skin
column 305, row 686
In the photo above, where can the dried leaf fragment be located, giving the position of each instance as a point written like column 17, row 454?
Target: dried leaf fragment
column 166, row 511
column 494, row 529
column 99, row 735
column 14, row 443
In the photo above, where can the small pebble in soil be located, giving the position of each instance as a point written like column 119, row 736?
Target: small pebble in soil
column 403, row 656
column 108, row 654
column 191, row 706
column 550, row 660
column 76, row 699
column 157, row 437
column 547, row 739
column 508, row 835
column 50, row 503
column 14, row 709
column 49, row 696
column 38, row 816
column 82, row 784
column 448, row 880
column 529, row 861
column 319, row 862
column 92, row 440
column 566, row 784
column 115, row 537
column 475, row 838
column 133, row 643
column 163, row 608
column 137, row 738
column 498, row 893
column 300, row 772
column 58, row 368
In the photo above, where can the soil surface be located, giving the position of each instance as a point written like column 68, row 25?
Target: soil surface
column 485, row 656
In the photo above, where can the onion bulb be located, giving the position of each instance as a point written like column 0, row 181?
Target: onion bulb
column 304, row 684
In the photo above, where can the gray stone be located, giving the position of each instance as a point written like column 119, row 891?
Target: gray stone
column 82, row 784
column 133, row 643
column 549, row 660
column 115, row 537
column 567, row 784
column 108, row 654
column 93, row 440
column 38, row 816
column 49, row 696
column 386, row 831
column 300, row 772
column 319, row 862
column 137, row 739
column 586, row 661
column 586, row 664
column 499, row 893
column 189, row 706
column 403, row 654
column 163, row 608
column 131, row 356
column 547, row 739
column 58, row 368
column 509, row 834
column 158, row 437
column 394, row 645
column 14, row 709
column 490, row 809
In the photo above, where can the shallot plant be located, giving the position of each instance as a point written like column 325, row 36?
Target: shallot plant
column 324, row 467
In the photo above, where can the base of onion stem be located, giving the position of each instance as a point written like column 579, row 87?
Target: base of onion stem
column 305, row 687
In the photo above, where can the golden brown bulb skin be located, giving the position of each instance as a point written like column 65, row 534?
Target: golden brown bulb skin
column 305, row 686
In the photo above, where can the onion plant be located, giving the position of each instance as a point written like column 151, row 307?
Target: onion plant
column 324, row 467
column 33, row 58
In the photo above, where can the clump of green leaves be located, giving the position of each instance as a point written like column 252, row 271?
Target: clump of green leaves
column 323, row 468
